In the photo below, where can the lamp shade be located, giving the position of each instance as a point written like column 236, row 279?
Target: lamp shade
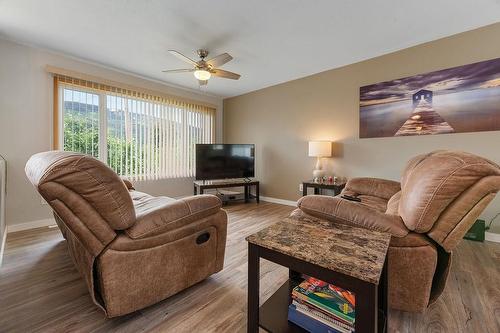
column 320, row 148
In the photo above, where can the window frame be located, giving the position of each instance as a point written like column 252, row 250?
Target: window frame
column 90, row 87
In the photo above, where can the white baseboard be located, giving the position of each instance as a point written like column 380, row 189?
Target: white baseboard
column 492, row 237
column 30, row 225
column 2, row 246
column 279, row 201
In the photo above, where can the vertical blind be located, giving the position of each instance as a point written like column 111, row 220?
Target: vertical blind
column 139, row 135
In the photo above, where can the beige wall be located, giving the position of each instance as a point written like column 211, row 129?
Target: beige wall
column 281, row 119
column 26, row 118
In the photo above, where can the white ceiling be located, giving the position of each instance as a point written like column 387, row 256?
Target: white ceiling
column 272, row 41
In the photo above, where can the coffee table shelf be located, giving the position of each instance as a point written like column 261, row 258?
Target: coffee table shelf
column 273, row 314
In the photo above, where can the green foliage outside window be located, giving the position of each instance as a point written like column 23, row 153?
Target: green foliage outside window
column 81, row 133
column 124, row 157
column 124, row 154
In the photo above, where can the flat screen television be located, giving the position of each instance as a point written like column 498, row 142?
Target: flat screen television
column 222, row 161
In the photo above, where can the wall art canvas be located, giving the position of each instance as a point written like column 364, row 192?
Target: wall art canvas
column 454, row 100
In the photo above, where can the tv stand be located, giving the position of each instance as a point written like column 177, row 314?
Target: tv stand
column 201, row 185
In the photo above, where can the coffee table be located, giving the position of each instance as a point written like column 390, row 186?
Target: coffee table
column 350, row 257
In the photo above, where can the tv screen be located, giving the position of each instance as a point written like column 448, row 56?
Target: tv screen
column 222, row 161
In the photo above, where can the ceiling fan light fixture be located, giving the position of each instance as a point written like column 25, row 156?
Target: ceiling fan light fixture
column 204, row 69
column 202, row 74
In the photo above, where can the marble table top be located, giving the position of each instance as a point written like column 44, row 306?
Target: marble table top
column 353, row 251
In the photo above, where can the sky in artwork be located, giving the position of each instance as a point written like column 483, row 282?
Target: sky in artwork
column 481, row 75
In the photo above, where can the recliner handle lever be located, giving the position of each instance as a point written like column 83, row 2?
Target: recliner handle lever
column 203, row 238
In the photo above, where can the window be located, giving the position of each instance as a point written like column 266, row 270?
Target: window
column 140, row 136
column 81, row 122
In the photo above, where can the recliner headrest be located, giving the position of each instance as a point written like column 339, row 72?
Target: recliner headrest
column 432, row 181
column 100, row 186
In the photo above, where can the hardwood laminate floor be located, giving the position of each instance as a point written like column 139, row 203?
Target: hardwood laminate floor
column 41, row 291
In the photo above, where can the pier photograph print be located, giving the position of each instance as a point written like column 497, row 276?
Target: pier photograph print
column 455, row 100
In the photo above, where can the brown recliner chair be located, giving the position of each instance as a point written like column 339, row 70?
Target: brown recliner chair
column 440, row 196
column 132, row 249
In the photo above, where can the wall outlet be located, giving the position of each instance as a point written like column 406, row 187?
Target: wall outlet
column 301, row 187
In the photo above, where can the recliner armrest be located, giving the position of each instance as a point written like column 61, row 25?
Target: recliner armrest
column 377, row 187
column 127, row 183
column 174, row 215
column 336, row 209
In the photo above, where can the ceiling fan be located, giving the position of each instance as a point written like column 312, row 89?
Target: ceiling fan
column 204, row 69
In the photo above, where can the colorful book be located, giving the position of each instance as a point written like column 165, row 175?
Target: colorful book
column 330, row 315
column 346, row 294
column 326, row 299
column 322, row 317
column 308, row 323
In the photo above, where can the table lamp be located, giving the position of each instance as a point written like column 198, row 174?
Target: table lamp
column 319, row 149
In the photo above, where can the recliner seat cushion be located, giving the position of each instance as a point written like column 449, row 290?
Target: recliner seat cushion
column 374, row 187
column 376, row 203
column 341, row 210
column 169, row 215
column 145, row 203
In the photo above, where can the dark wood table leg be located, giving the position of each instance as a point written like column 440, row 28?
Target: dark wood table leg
column 247, row 193
column 294, row 275
column 367, row 309
column 195, row 190
column 295, row 278
column 253, row 288
column 336, row 191
column 257, row 192
column 304, row 189
column 383, row 299
column 201, row 190
column 316, row 190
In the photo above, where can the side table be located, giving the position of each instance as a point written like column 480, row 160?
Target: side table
column 318, row 186
column 317, row 248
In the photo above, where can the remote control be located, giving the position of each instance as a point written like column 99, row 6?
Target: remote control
column 350, row 198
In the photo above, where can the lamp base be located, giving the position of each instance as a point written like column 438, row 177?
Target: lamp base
column 318, row 173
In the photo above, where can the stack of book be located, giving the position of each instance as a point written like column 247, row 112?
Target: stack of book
column 320, row 307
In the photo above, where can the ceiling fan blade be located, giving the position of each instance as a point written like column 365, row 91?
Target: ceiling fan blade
column 179, row 70
column 220, row 60
column 202, row 82
column 226, row 74
column 183, row 57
